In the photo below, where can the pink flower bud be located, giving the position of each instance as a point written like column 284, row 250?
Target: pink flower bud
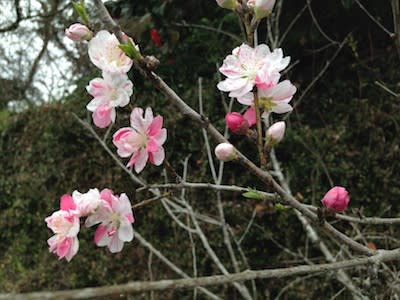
column 78, row 32
column 336, row 199
column 236, row 122
column 229, row 4
column 262, row 8
column 275, row 133
column 225, row 152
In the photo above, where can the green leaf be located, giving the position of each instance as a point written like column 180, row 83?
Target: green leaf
column 280, row 206
column 253, row 194
column 80, row 8
column 130, row 49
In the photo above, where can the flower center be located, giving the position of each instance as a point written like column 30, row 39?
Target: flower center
column 266, row 103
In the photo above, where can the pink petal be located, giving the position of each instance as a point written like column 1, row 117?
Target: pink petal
column 103, row 116
column 67, row 202
column 161, row 137
column 141, row 161
column 158, row 157
column 155, row 126
column 152, row 146
column 99, row 234
column 64, row 247
column 107, row 195
column 250, row 116
column 122, row 133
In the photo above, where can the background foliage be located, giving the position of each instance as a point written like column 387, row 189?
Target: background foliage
column 345, row 131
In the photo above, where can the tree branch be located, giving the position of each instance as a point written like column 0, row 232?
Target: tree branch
column 145, row 286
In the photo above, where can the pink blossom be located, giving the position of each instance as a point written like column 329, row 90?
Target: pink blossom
column 143, row 140
column 65, row 226
column 275, row 133
column 336, row 199
column 225, row 152
column 106, row 55
column 113, row 90
column 247, row 67
column 115, row 217
column 78, row 32
column 86, row 203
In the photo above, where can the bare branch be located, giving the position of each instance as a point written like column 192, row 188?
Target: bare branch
column 140, row 286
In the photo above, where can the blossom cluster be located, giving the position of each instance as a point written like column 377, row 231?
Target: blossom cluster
column 256, row 72
column 144, row 139
column 113, row 213
column 142, row 142
column 114, row 88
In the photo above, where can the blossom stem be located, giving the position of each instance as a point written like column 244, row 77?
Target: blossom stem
column 249, row 30
column 260, row 147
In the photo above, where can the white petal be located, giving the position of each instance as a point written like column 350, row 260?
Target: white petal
column 282, row 108
column 231, row 84
column 246, row 99
column 125, row 233
column 115, row 244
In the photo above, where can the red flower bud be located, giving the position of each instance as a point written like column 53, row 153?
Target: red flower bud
column 236, row 122
column 336, row 199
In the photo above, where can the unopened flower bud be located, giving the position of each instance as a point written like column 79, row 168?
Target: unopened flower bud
column 225, row 152
column 236, row 122
column 229, row 4
column 275, row 133
column 336, row 199
column 78, row 32
column 262, row 8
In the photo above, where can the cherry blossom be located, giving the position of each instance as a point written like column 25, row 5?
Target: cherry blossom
column 65, row 225
column 104, row 52
column 143, row 140
column 247, row 67
column 113, row 90
column 86, row 203
column 115, row 217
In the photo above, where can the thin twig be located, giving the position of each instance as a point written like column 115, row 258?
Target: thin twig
column 209, row 28
column 391, row 34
